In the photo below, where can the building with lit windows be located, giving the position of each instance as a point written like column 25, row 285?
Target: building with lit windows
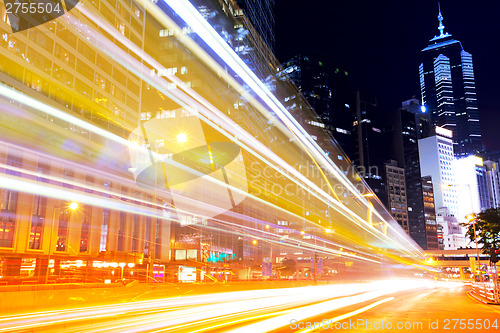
column 493, row 179
column 248, row 27
column 326, row 91
column 58, row 65
column 473, row 194
column 370, row 142
column 131, row 149
column 437, row 161
column 396, row 194
column 261, row 14
column 452, row 234
column 431, row 230
column 448, row 90
column 410, row 124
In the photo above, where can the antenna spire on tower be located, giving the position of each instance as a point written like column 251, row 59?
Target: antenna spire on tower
column 441, row 26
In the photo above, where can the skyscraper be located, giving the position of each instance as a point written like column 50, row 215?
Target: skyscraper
column 370, row 140
column 261, row 15
column 436, row 160
column 437, row 165
column 326, row 91
column 396, row 194
column 449, row 91
column 411, row 124
column 431, row 233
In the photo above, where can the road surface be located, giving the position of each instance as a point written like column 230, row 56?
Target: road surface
column 384, row 306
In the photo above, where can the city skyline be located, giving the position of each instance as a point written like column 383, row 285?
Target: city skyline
column 380, row 45
column 161, row 171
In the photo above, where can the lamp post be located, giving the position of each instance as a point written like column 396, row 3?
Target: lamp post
column 72, row 206
column 315, row 258
column 122, row 266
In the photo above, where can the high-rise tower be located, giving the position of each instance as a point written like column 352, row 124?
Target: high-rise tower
column 449, row 90
column 326, row 90
column 261, row 14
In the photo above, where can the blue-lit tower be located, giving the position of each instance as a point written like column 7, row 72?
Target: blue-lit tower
column 449, row 90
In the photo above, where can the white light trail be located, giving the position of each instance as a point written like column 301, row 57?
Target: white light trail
column 223, row 121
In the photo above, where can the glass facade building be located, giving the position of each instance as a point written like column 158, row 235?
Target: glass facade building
column 409, row 125
column 132, row 144
column 448, row 90
column 261, row 14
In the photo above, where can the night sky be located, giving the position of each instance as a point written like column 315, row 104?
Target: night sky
column 379, row 43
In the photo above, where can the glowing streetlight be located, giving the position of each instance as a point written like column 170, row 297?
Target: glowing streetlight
column 73, row 206
column 182, row 138
column 254, row 242
column 122, row 266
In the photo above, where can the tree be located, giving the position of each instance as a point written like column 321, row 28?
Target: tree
column 487, row 224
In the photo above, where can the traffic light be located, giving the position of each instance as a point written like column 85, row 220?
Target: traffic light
column 493, row 255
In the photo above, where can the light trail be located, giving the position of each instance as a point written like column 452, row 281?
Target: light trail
column 352, row 313
column 193, row 18
column 48, row 190
column 267, row 105
column 230, row 126
column 185, row 312
column 98, row 202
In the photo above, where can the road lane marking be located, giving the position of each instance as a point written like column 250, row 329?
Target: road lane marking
column 350, row 314
column 234, row 322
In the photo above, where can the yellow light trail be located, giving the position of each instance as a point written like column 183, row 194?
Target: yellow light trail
column 185, row 312
column 350, row 314
column 301, row 180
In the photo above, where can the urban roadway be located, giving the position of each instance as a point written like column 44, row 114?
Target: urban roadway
column 378, row 306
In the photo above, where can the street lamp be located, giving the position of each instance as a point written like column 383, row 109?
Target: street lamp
column 181, row 138
column 472, row 220
column 72, row 206
column 122, row 266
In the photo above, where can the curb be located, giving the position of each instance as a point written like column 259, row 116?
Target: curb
column 477, row 298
